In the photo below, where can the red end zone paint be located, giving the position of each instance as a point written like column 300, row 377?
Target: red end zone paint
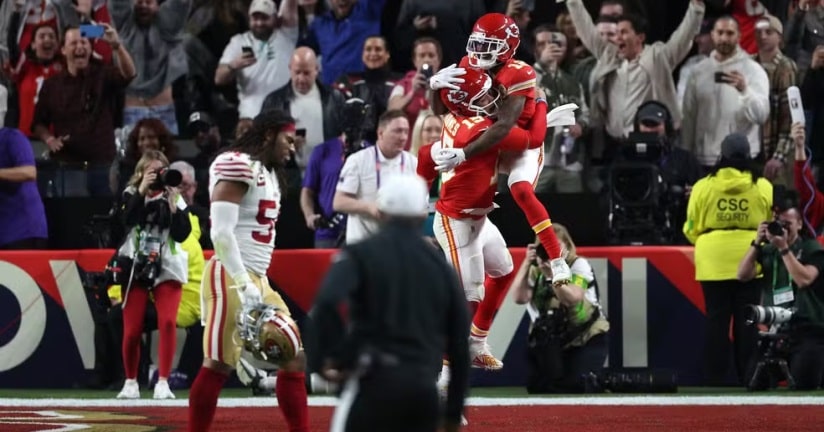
column 759, row 418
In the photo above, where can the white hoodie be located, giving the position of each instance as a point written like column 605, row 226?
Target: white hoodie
column 714, row 110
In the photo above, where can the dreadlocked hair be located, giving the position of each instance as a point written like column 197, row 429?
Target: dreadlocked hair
column 252, row 141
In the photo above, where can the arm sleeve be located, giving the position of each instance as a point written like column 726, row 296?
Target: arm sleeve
column 755, row 102
column 457, row 349
column 426, row 166
column 224, row 220
column 231, row 51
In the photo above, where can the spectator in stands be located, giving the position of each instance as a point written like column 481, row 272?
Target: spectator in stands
column 411, row 94
column 22, row 216
column 577, row 343
column 728, row 91
column 776, row 145
column 338, row 35
column 521, row 14
column 310, row 102
column 632, row 72
column 810, row 198
column 564, row 160
column 212, row 24
column 724, row 211
column 363, row 172
column 703, row 44
column 746, row 13
column 208, row 140
column 153, row 34
column 374, row 85
column 448, row 22
column 158, row 222
column 147, row 134
column 20, row 18
column 199, row 213
column 582, row 67
column 258, row 60
column 74, row 114
column 39, row 61
column 805, row 31
column 424, row 136
column 812, row 94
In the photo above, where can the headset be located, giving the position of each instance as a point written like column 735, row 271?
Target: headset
column 668, row 124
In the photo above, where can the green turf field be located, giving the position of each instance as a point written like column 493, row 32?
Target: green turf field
column 497, row 392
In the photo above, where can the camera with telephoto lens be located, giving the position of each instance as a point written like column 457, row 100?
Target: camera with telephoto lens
column 167, row 177
column 776, row 228
column 768, row 315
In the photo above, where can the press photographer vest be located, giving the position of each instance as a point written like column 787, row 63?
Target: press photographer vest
column 173, row 258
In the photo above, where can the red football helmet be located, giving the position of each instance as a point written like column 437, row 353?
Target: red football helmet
column 494, row 39
column 475, row 96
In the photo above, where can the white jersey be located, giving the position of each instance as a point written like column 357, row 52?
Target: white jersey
column 259, row 208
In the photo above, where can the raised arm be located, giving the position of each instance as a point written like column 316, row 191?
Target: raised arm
column 680, row 43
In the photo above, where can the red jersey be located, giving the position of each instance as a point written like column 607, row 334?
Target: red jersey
column 29, row 79
column 468, row 190
column 747, row 13
column 518, row 79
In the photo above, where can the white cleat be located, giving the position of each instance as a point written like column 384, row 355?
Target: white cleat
column 130, row 390
column 560, row 271
column 481, row 356
column 162, row 390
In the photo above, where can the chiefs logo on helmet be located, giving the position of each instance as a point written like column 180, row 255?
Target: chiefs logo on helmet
column 512, row 31
column 268, row 333
column 457, row 96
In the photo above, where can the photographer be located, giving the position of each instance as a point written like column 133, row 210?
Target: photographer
column 568, row 336
column 723, row 214
column 792, row 266
column 323, row 172
column 152, row 261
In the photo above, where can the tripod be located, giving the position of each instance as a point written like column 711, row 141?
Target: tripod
column 769, row 360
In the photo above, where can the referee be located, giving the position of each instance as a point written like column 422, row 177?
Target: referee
column 405, row 306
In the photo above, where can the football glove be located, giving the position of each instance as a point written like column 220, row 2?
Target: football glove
column 447, row 78
column 249, row 294
column 449, row 158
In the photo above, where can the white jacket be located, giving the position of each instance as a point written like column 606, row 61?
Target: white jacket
column 714, row 110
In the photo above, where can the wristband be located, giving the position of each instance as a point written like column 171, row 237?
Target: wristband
column 755, row 244
column 784, row 251
column 539, row 100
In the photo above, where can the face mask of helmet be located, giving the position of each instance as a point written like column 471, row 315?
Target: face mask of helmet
column 483, row 51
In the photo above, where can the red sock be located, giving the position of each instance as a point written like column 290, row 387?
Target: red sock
column 494, row 292
column 524, row 194
column 203, row 398
column 291, row 392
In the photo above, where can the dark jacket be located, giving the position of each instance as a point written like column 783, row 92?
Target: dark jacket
column 404, row 302
column 331, row 100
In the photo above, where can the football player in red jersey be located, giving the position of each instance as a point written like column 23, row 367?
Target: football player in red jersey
column 492, row 44
column 474, row 245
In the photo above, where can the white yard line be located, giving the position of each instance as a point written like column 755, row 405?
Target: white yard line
column 328, row 401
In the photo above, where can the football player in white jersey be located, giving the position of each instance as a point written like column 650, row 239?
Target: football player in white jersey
column 240, row 310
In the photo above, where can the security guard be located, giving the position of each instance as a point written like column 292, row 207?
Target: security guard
column 405, row 306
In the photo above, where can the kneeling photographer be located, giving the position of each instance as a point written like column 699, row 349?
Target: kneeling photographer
column 792, row 266
column 151, row 261
column 568, row 336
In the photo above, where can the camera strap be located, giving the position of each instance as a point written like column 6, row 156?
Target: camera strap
column 378, row 165
column 783, row 294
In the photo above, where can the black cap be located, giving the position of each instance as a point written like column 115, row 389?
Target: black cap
column 735, row 146
column 652, row 113
column 200, row 120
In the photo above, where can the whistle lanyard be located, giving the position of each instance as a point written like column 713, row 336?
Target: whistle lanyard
column 378, row 166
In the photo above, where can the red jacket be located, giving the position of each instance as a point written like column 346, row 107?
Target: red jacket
column 809, row 197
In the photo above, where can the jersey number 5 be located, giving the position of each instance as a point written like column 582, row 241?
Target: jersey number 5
column 265, row 208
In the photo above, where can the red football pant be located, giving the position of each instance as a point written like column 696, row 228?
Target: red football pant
column 167, row 299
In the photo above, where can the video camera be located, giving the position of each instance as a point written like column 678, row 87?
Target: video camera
column 352, row 119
